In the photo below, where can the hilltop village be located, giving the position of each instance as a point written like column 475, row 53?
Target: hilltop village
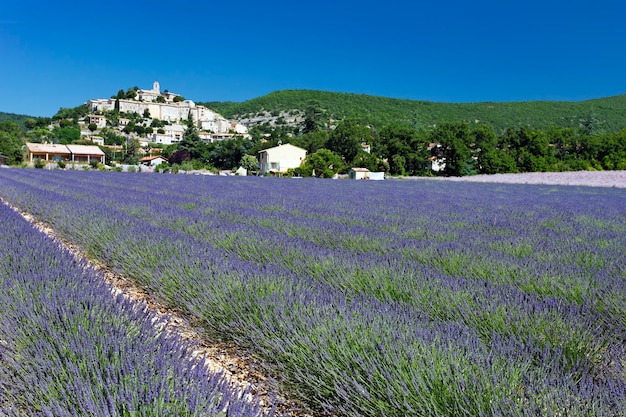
column 169, row 108
column 151, row 119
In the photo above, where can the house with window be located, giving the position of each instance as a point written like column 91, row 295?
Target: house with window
column 98, row 140
column 153, row 160
column 98, row 120
column 279, row 159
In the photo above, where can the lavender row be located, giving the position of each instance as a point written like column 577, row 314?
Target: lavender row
column 511, row 278
column 68, row 347
column 410, row 281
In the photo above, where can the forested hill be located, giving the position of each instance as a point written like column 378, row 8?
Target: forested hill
column 20, row 119
column 607, row 114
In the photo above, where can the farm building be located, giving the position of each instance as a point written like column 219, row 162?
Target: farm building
column 365, row 174
column 279, row 159
column 359, row 173
column 56, row 152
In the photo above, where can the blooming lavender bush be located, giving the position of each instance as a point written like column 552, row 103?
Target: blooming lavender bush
column 368, row 298
column 68, row 347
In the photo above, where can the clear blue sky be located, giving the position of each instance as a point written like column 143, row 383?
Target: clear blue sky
column 60, row 54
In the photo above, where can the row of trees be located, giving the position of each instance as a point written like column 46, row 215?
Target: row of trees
column 461, row 148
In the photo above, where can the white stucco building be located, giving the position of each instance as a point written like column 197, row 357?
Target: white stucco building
column 280, row 158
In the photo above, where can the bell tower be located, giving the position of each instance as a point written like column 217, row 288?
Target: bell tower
column 156, row 87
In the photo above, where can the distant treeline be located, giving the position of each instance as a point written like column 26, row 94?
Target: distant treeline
column 607, row 114
column 400, row 137
column 460, row 148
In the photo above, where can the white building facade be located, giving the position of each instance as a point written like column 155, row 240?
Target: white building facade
column 280, row 158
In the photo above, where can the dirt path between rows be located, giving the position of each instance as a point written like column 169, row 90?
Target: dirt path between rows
column 237, row 365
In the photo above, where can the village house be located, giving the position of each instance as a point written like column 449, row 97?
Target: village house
column 153, row 160
column 98, row 140
column 47, row 152
column 85, row 153
column 161, row 138
column 279, row 159
column 56, row 152
column 175, row 132
column 98, row 120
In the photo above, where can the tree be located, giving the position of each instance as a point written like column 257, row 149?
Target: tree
column 38, row 135
column 346, row 139
column 369, row 161
column 324, row 164
column 397, row 165
column 30, row 123
column 92, row 127
column 313, row 117
column 249, row 162
column 66, row 123
column 591, row 125
column 193, row 144
column 491, row 160
column 11, row 147
column 455, row 139
column 179, row 156
column 312, row 141
column 395, row 140
column 65, row 135
column 227, row 154
column 132, row 152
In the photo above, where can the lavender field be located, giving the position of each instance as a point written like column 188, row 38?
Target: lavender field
column 423, row 298
column 68, row 347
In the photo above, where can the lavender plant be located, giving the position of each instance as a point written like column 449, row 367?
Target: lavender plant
column 392, row 298
column 68, row 347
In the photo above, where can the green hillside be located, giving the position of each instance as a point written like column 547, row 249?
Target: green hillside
column 19, row 119
column 608, row 113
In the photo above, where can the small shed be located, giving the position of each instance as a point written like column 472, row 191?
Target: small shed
column 4, row 160
column 359, row 174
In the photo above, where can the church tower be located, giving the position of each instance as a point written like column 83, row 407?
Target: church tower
column 156, row 87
